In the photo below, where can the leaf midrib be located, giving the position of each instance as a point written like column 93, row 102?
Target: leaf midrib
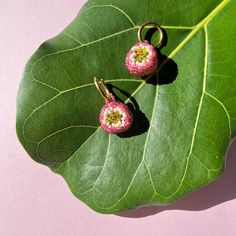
column 204, row 23
column 195, row 29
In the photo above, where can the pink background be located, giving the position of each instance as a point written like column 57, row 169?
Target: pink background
column 34, row 201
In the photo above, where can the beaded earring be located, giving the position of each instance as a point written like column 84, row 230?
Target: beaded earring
column 115, row 116
column 142, row 59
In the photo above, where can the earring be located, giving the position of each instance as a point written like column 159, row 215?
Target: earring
column 142, row 59
column 115, row 117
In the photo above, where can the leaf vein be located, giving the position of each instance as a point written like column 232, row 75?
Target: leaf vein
column 112, row 6
column 198, row 114
column 223, row 106
column 201, row 163
column 142, row 160
column 65, row 91
column 69, row 127
column 103, row 168
column 71, row 37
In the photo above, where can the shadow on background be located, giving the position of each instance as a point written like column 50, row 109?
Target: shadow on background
column 221, row 190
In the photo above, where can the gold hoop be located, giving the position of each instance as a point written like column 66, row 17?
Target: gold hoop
column 104, row 91
column 154, row 25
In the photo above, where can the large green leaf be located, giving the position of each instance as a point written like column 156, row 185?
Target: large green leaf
column 191, row 120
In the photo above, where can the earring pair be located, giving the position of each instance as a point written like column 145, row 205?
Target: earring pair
column 115, row 116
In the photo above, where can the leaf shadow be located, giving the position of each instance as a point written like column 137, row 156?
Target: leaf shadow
column 219, row 191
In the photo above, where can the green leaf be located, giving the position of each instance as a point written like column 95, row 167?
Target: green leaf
column 184, row 127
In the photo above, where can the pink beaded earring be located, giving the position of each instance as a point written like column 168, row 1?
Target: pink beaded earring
column 142, row 59
column 115, row 116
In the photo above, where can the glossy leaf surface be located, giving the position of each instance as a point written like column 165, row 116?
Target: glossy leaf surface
column 185, row 115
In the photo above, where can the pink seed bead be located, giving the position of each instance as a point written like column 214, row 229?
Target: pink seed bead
column 147, row 66
column 125, row 117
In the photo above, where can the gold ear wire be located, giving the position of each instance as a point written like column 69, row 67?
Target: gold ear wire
column 154, row 25
column 102, row 89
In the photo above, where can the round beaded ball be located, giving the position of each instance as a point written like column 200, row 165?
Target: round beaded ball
column 142, row 59
column 115, row 117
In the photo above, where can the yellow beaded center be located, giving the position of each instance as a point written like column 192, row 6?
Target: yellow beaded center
column 114, row 117
column 141, row 54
